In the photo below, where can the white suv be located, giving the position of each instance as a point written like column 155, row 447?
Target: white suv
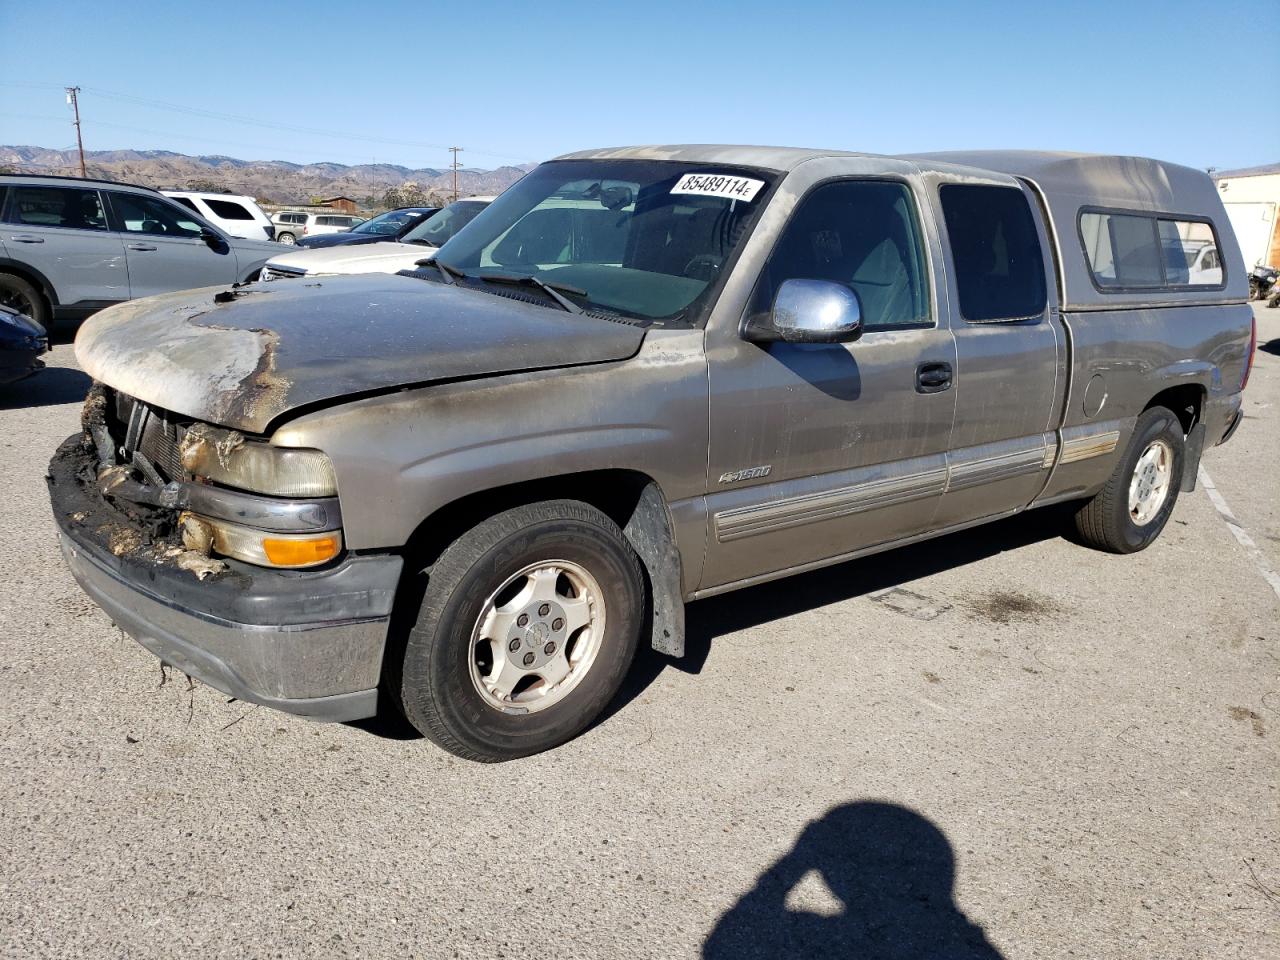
column 388, row 256
column 238, row 216
column 292, row 224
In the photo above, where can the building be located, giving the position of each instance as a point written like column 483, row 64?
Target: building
column 344, row 204
column 1252, row 198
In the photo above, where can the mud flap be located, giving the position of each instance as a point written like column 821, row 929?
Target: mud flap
column 649, row 533
column 1191, row 453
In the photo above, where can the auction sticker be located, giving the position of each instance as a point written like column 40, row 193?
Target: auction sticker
column 718, row 185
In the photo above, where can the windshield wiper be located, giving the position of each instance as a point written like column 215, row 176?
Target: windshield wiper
column 421, row 242
column 447, row 273
column 550, row 288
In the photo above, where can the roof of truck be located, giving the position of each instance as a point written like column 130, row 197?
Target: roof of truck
column 1097, row 176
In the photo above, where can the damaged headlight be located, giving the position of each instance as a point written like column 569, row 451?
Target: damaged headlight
column 205, row 534
column 226, row 457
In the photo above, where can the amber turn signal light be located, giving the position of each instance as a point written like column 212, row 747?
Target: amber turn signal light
column 301, row 553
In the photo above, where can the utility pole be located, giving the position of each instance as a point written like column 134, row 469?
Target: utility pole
column 75, row 105
column 455, row 151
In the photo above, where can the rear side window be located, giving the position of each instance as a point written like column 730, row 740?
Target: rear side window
column 228, row 209
column 186, row 202
column 861, row 233
column 1128, row 251
column 73, row 208
column 996, row 251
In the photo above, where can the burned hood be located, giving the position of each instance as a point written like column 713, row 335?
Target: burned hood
column 241, row 358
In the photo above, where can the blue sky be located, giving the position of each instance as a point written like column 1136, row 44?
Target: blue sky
column 1194, row 83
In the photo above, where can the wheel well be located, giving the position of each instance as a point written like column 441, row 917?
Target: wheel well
column 614, row 492
column 33, row 278
column 1187, row 401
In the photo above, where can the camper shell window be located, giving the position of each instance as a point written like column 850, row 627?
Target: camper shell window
column 1129, row 250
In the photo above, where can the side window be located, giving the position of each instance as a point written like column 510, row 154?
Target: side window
column 324, row 221
column 228, row 209
column 862, row 233
column 135, row 213
column 1122, row 250
column 1127, row 250
column 1181, row 243
column 186, row 202
column 71, row 207
column 996, row 251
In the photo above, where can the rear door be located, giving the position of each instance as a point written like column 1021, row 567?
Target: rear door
column 1010, row 349
column 63, row 233
column 164, row 246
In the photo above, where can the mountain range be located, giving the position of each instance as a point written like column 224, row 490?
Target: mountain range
column 277, row 181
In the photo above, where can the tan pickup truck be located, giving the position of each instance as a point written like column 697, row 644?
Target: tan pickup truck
column 641, row 376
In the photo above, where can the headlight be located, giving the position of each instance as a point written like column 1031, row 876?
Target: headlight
column 226, row 457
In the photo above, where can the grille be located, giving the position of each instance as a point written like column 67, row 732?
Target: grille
column 140, row 428
column 270, row 272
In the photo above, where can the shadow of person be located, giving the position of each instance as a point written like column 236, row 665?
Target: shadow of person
column 892, row 872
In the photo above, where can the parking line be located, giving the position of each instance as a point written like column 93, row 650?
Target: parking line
column 1239, row 532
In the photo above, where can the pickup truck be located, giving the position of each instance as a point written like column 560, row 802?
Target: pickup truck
column 640, row 377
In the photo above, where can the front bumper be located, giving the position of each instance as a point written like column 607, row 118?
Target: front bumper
column 308, row 642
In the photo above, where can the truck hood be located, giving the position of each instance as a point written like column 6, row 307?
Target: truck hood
column 386, row 256
column 242, row 358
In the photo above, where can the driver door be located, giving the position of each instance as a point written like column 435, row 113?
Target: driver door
column 819, row 450
column 163, row 246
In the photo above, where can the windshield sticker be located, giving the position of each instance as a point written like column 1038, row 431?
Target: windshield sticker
column 718, row 185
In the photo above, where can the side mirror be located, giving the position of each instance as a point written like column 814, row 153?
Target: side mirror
column 211, row 238
column 811, row 311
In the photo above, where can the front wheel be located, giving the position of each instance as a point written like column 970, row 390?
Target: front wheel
column 526, row 630
column 287, row 239
column 1131, row 509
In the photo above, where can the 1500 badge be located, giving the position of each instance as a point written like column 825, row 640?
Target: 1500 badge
column 750, row 473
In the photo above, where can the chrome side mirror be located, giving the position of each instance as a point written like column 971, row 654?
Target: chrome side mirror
column 812, row 311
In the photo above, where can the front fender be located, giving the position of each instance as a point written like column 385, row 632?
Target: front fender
column 400, row 458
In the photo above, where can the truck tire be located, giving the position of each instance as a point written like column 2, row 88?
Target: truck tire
column 1129, row 512
column 18, row 294
column 527, row 627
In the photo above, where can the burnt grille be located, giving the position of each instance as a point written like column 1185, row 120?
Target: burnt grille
column 141, row 428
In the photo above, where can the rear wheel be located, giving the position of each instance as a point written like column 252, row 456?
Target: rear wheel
column 21, row 295
column 1131, row 509
column 286, row 238
column 527, row 628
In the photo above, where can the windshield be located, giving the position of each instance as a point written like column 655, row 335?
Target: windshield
column 440, row 227
column 643, row 238
column 387, row 224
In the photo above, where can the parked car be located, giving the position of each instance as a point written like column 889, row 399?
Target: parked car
column 385, row 256
column 70, row 246
column 293, row 225
column 746, row 362
column 1202, row 263
column 391, row 225
column 236, row 216
column 22, row 341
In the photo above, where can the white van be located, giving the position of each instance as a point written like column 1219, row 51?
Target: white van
column 237, row 215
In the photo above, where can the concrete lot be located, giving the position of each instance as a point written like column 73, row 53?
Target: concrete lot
column 1023, row 749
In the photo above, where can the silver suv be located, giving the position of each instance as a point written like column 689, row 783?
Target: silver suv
column 69, row 246
column 293, row 225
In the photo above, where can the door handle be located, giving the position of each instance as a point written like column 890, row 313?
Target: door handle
column 26, row 238
column 933, row 377
column 142, row 246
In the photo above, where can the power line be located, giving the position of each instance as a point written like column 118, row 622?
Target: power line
column 289, row 127
column 455, row 151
